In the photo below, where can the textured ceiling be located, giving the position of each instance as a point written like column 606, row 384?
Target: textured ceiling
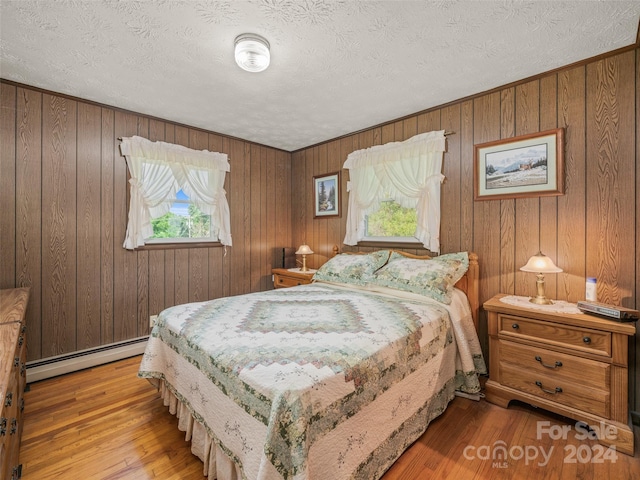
column 337, row 66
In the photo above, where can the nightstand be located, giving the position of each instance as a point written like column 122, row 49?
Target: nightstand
column 283, row 277
column 575, row 365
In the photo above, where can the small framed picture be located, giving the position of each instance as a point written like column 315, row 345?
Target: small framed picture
column 526, row 166
column 326, row 194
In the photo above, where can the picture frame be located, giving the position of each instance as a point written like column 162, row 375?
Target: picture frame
column 326, row 195
column 525, row 166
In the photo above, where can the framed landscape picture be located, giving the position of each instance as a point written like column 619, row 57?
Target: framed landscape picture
column 326, row 195
column 525, row 166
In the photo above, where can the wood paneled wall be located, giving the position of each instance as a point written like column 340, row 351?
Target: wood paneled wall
column 592, row 230
column 64, row 199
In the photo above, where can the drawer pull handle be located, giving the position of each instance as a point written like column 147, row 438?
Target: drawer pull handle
column 515, row 326
column 539, row 359
column 586, row 340
column 552, row 392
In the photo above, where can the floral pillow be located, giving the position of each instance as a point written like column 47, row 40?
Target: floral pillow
column 434, row 277
column 352, row 269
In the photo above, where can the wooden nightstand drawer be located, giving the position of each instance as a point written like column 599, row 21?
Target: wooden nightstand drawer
column 282, row 281
column 564, row 392
column 556, row 365
column 283, row 278
column 591, row 341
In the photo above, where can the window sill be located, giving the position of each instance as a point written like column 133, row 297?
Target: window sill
column 178, row 245
column 382, row 244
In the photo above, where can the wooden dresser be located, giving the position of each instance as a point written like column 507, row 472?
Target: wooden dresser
column 283, row 278
column 13, row 359
column 575, row 365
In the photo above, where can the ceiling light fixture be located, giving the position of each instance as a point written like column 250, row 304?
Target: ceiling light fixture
column 252, row 52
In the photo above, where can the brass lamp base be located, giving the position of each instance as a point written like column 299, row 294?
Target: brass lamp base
column 304, row 264
column 540, row 299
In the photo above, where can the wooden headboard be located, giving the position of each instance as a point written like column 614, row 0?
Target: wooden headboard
column 469, row 283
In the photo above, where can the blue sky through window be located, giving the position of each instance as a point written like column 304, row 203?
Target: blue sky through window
column 180, row 208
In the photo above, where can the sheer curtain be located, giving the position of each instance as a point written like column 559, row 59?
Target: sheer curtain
column 408, row 172
column 158, row 171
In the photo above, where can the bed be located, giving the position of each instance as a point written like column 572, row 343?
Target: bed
column 332, row 380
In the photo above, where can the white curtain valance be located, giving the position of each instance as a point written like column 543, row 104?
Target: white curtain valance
column 158, row 171
column 408, row 172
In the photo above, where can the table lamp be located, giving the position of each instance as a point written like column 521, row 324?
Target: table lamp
column 540, row 264
column 304, row 250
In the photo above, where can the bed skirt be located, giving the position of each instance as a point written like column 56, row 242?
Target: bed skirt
column 217, row 464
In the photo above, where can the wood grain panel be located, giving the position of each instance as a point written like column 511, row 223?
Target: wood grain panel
column 508, row 206
column 549, row 205
column 106, row 265
column 610, row 128
column 451, row 196
column 255, row 212
column 246, row 219
column 267, row 241
column 309, row 207
column 466, row 178
column 198, row 274
column 274, row 241
column 283, row 181
column 89, row 164
column 410, row 127
column 7, row 185
column 427, row 122
column 125, row 262
column 58, row 225
column 142, row 314
column 298, row 202
column 28, row 189
column 181, row 276
column 486, row 223
column 571, row 206
column 527, row 210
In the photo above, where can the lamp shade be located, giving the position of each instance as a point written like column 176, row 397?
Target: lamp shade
column 540, row 263
column 304, row 250
column 252, row 52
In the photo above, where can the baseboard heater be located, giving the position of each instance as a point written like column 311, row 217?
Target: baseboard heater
column 91, row 357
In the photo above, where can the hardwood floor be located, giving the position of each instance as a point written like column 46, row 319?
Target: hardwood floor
column 105, row 423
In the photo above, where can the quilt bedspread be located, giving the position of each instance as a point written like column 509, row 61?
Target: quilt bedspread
column 301, row 361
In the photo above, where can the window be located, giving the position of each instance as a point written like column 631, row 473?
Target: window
column 184, row 222
column 391, row 223
column 177, row 194
column 389, row 182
